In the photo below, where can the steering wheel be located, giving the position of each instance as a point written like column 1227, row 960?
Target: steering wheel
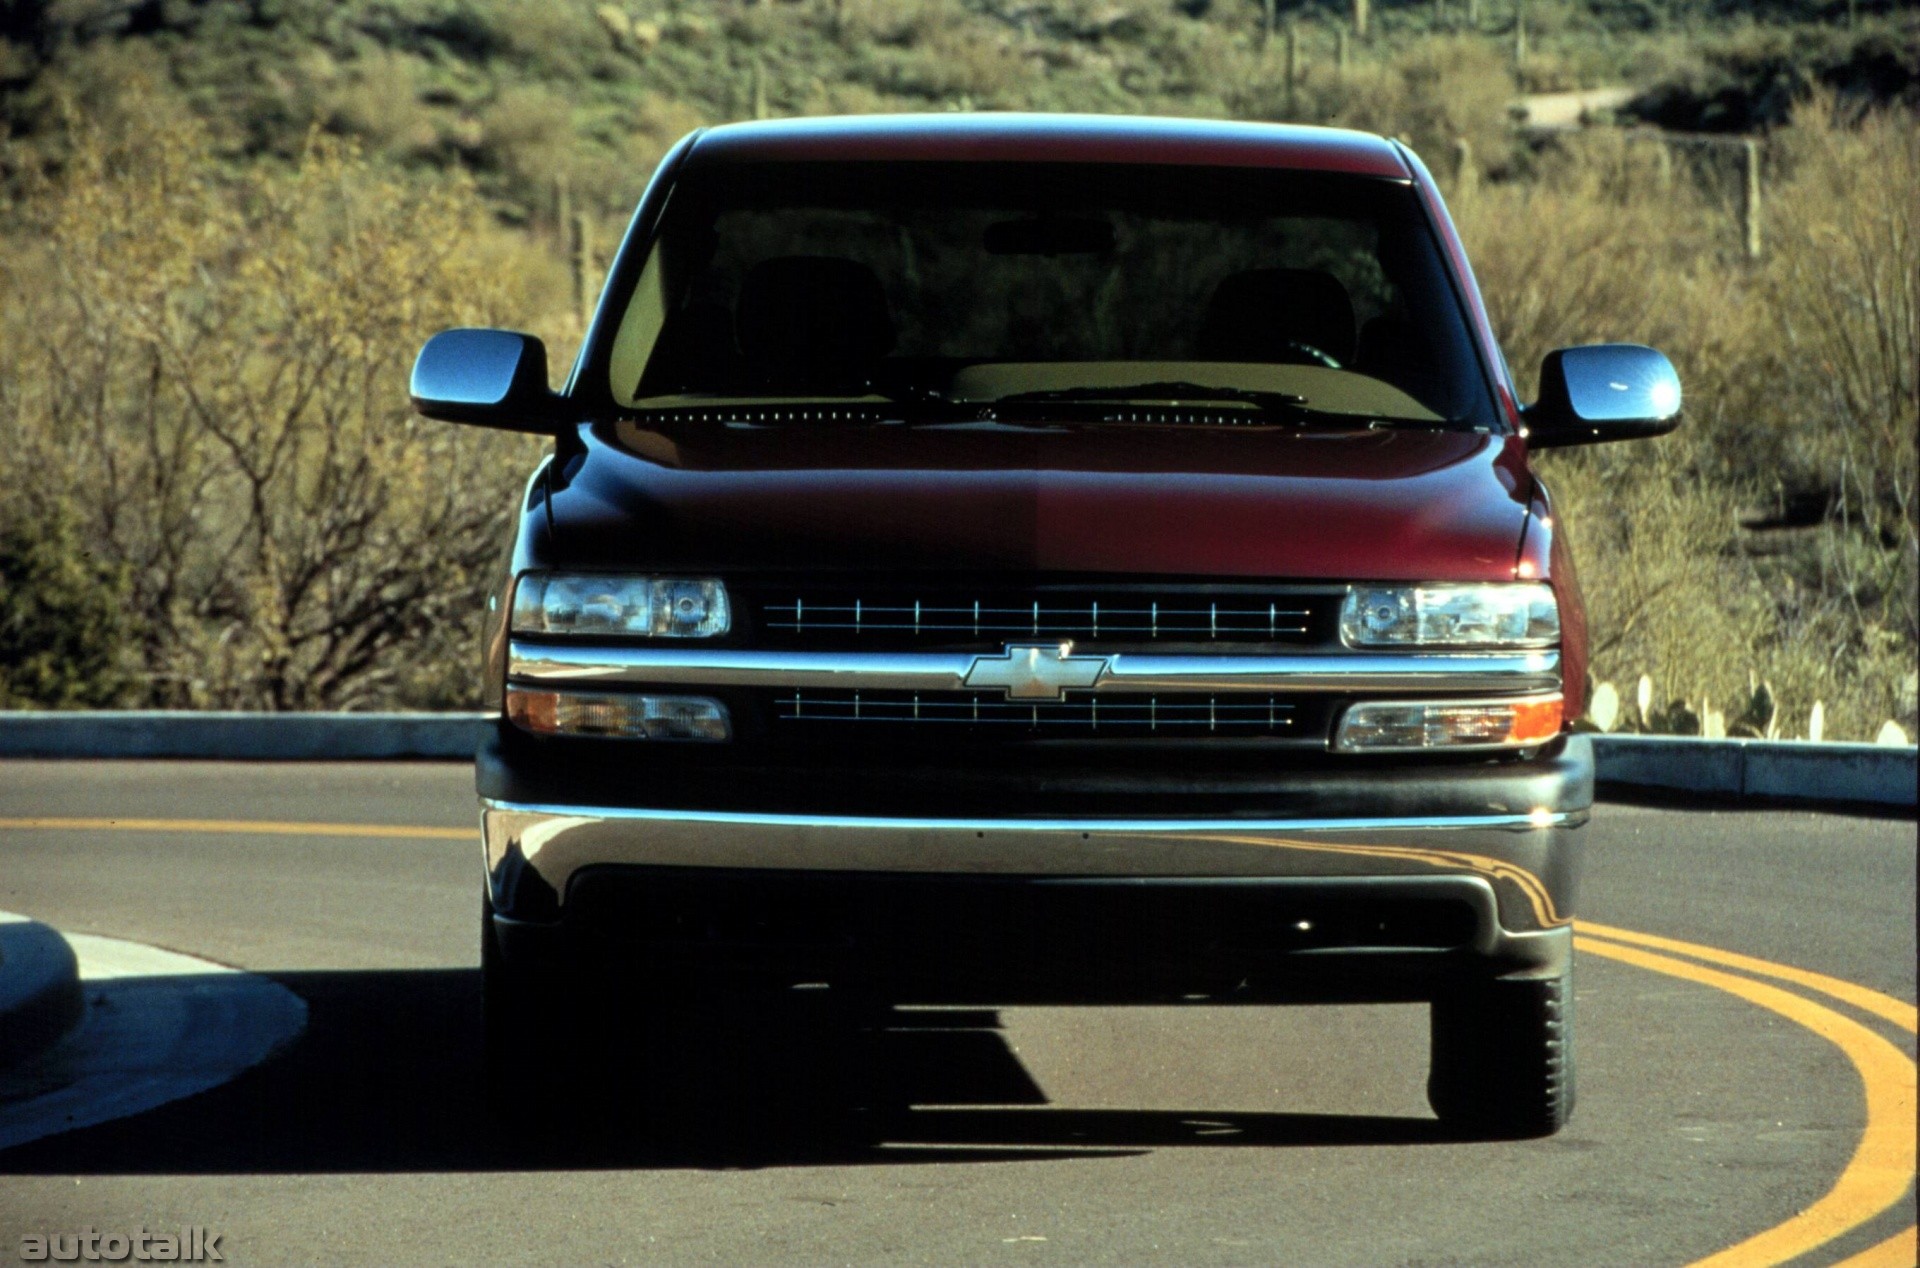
column 1307, row 354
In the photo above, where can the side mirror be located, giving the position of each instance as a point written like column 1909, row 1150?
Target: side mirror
column 1607, row 391
column 491, row 378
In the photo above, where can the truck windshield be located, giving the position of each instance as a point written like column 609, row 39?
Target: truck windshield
column 1026, row 283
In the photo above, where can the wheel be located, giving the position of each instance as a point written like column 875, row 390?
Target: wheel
column 538, row 1038
column 1502, row 1062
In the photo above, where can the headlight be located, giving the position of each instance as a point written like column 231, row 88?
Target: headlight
column 1512, row 615
column 1377, row 725
column 610, row 603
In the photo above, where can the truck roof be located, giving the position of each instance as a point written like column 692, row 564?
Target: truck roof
column 990, row 137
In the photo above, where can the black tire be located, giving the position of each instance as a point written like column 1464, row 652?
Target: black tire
column 538, row 1037
column 1502, row 1062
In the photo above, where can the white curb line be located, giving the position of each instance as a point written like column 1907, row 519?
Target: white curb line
column 158, row 1026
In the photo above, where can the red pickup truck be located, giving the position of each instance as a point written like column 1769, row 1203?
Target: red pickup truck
column 1007, row 558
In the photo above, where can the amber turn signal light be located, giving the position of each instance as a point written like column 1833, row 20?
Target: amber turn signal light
column 1381, row 726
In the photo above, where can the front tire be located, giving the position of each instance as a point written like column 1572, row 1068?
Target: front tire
column 1502, row 1063
column 536, row 1031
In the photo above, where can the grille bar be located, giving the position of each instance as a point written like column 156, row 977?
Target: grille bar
column 833, row 617
column 925, row 618
column 1146, row 714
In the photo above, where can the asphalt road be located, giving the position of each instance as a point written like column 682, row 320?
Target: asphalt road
column 1717, row 1101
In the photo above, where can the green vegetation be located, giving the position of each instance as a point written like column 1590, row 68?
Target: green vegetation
column 228, row 224
column 63, row 619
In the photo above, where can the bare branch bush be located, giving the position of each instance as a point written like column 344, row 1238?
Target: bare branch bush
column 212, row 375
column 1845, row 299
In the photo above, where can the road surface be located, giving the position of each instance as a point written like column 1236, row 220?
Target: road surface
column 1725, row 1101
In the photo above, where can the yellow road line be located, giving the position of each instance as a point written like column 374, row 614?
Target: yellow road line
column 1531, row 887
column 1902, row 1250
column 1882, row 1167
column 1897, row 1011
column 261, row 826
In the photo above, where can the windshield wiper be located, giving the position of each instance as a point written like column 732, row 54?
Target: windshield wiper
column 910, row 394
column 873, row 403
column 922, row 405
column 1174, row 392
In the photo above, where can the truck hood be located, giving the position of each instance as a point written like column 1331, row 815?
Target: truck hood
column 1171, row 501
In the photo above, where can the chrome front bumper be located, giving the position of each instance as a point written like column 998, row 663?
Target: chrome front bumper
column 558, row 663
column 1526, row 861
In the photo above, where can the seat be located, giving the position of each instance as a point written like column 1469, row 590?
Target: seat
column 1279, row 315
column 695, row 351
column 812, row 323
column 1395, row 350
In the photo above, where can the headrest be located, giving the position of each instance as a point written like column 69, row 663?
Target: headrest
column 1259, row 315
column 812, row 322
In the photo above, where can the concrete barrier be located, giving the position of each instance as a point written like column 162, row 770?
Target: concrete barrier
column 1790, row 770
column 269, row 737
column 1876, row 774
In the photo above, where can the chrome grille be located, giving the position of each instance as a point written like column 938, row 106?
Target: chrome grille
column 1184, row 714
column 852, row 618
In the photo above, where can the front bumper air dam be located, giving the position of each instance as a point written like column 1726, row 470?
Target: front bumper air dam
column 1523, row 860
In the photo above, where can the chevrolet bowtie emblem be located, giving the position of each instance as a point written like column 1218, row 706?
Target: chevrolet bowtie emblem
column 1045, row 671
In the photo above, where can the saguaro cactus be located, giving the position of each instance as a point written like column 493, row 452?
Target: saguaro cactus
column 1293, row 70
column 583, row 270
column 1750, row 198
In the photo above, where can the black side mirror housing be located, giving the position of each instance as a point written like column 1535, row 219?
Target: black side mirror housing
column 489, row 378
column 1603, row 392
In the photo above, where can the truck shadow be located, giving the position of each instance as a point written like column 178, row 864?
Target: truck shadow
column 387, row 1078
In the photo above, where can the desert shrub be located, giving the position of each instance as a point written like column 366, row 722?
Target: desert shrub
column 1799, row 374
column 1843, row 305
column 938, row 56
column 1433, row 94
column 559, row 40
column 1744, row 76
column 377, row 99
column 527, row 132
column 65, row 631
column 216, row 365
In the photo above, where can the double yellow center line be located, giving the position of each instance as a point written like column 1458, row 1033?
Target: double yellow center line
column 1881, row 1171
column 244, row 827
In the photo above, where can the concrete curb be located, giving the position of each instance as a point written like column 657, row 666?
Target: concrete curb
column 40, row 999
column 1868, row 774
column 272, row 737
column 1874, row 774
column 159, row 1026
